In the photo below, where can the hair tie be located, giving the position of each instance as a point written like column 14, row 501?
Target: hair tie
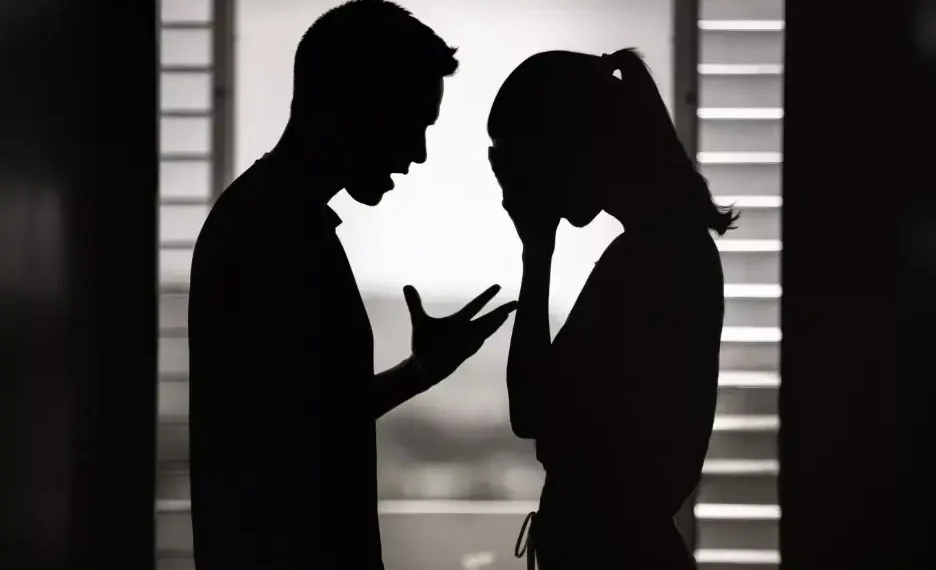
column 611, row 63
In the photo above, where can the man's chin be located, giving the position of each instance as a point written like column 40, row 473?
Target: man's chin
column 369, row 199
column 369, row 194
column 581, row 221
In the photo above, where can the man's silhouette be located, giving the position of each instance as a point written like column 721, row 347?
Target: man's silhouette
column 283, row 392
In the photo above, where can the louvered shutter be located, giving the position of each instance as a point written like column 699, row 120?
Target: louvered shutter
column 193, row 162
column 740, row 111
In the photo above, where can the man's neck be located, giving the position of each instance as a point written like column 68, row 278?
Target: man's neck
column 305, row 169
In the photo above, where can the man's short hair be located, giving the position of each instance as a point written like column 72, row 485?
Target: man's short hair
column 363, row 43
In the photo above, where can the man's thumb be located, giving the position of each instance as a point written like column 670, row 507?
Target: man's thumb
column 413, row 301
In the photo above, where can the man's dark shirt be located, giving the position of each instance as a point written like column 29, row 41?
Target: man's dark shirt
column 283, row 458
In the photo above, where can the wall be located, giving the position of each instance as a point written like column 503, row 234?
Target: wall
column 442, row 228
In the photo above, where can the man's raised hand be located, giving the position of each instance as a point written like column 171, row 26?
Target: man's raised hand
column 442, row 344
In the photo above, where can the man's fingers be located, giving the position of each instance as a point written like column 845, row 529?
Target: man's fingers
column 489, row 323
column 475, row 305
column 504, row 309
column 413, row 302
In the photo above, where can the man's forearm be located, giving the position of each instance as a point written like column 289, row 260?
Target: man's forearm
column 396, row 385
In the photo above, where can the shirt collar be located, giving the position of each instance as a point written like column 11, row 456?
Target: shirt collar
column 330, row 217
column 327, row 215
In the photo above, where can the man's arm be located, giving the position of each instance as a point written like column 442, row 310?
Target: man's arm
column 396, row 385
column 440, row 346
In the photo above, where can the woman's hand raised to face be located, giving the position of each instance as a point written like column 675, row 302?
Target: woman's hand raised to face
column 533, row 216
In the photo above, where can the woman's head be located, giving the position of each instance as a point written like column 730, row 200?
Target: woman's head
column 583, row 133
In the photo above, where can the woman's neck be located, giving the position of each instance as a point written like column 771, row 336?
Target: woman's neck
column 661, row 203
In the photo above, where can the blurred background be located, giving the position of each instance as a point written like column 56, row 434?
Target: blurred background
column 454, row 481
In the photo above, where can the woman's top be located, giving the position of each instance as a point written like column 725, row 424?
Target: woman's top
column 626, row 411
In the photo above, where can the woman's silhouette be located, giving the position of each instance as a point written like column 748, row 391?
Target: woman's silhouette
column 621, row 403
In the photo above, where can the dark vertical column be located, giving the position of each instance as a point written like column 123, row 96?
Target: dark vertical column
column 686, row 72
column 77, row 284
column 915, row 504
column 223, row 80
column 686, row 119
column 846, row 171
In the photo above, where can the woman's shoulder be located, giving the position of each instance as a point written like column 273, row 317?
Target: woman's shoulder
column 636, row 270
column 678, row 250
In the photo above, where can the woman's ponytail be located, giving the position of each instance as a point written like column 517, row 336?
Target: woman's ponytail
column 642, row 92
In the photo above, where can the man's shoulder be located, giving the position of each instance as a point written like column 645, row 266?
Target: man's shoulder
column 238, row 209
column 265, row 198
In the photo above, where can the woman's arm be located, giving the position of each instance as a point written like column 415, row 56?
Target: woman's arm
column 527, row 363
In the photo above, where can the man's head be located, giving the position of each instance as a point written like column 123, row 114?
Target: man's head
column 368, row 82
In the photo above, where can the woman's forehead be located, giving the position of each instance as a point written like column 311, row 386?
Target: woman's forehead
column 563, row 143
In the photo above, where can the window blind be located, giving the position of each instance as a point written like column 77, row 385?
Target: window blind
column 740, row 114
column 191, row 112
